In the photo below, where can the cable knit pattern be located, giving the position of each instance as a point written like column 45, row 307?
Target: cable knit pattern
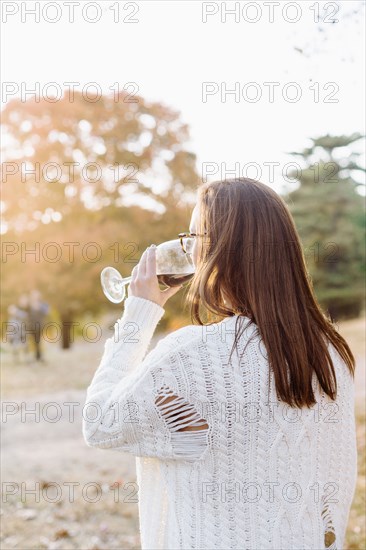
column 220, row 461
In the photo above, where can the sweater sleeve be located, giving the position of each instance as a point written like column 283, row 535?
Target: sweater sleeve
column 143, row 405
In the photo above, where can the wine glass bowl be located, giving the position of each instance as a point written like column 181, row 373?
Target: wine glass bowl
column 173, row 268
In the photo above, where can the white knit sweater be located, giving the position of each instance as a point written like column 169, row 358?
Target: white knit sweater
column 256, row 474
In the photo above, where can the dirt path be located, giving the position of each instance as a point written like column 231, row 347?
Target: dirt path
column 82, row 497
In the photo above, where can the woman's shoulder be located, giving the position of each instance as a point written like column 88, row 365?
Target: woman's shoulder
column 183, row 337
column 203, row 337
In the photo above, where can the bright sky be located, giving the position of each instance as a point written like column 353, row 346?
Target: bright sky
column 170, row 53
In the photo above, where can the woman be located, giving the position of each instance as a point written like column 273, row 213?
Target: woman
column 253, row 449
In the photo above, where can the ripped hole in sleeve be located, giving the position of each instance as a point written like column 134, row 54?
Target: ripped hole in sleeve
column 329, row 531
column 188, row 430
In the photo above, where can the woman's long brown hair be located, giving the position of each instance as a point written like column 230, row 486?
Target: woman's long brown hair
column 252, row 256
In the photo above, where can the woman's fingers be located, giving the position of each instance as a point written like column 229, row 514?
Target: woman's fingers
column 151, row 261
column 134, row 273
column 143, row 263
column 140, row 270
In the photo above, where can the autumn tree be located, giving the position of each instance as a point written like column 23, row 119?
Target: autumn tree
column 113, row 172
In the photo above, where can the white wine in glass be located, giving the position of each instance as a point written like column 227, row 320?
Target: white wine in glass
column 174, row 266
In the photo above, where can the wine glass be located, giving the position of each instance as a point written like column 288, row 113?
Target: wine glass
column 173, row 268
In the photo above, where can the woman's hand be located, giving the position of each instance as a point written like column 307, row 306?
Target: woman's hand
column 144, row 283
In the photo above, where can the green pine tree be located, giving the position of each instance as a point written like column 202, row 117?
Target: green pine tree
column 329, row 215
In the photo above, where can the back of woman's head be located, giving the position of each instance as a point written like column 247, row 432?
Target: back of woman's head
column 251, row 257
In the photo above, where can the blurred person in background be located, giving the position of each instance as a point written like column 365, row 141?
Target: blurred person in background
column 23, row 306
column 37, row 312
column 16, row 333
column 23, row 314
